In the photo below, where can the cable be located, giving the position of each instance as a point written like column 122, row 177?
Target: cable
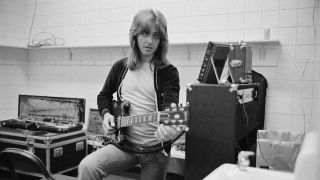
column 244, row 125
column 50, row 40
column 34, row 13
column 246, row 115
column 238, row 148
column 314, row 13
column 261, row 150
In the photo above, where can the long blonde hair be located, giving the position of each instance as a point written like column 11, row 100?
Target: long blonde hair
column 142, row 21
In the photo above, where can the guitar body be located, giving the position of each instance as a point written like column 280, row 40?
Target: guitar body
column 120, row 109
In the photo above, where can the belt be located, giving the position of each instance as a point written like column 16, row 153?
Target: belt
column 142, row 148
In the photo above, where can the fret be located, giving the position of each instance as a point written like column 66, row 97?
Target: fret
column 121, row 122
column 154, row 117
column 126, row 123
column 149, row 117
column 130, row 121
column 135, row 119
column 144, row 119
column 118, row 122
column 138, row 120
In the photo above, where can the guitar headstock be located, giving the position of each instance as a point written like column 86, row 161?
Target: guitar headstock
column 176, row 116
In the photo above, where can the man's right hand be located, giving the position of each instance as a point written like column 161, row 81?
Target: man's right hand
column 108, row 124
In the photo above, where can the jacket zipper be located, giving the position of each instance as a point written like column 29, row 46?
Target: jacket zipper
column 156, row 86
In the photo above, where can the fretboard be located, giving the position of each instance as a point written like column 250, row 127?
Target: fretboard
column 136, row 120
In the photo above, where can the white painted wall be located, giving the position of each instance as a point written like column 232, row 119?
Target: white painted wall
column 14, row 22
column 292, row 68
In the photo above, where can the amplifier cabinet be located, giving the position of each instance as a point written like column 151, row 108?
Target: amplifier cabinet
column 59, row 152
column 219, row 124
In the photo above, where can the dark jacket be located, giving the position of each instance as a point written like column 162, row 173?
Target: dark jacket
column 166, row 83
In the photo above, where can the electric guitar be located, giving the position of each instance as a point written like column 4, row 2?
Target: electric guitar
column 176, row 117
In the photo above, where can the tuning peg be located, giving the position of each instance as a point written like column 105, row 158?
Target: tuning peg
column 173, row 105
column 176, row 116
column 182, row 127
column 180, row 121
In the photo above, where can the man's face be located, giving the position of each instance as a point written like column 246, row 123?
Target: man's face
column 148, row 42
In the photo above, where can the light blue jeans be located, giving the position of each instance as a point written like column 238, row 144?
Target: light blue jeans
column 109, row 159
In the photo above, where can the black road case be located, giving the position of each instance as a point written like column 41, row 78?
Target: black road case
column 60, row 150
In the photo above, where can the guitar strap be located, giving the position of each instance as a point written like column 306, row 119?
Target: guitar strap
column 164, row 150
column 120, row 86
column 163, row 147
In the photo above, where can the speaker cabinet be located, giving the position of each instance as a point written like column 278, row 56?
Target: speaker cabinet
column 221, row 117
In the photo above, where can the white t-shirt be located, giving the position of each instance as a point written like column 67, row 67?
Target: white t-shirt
column 138, row 89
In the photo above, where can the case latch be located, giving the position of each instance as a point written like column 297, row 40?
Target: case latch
column 30, row 145
column 47, row 141
column 57, row 151
column 79, row 145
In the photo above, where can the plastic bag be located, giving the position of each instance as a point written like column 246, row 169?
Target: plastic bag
column 278, row 150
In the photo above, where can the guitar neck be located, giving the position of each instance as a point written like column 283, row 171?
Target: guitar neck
column 126, row 121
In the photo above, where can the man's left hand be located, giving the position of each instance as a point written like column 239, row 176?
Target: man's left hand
column 165, row 133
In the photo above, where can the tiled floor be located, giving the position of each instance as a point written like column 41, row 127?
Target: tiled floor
column 134, row 174
column 116, row 177
column 120, row 177
column 131, row 174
